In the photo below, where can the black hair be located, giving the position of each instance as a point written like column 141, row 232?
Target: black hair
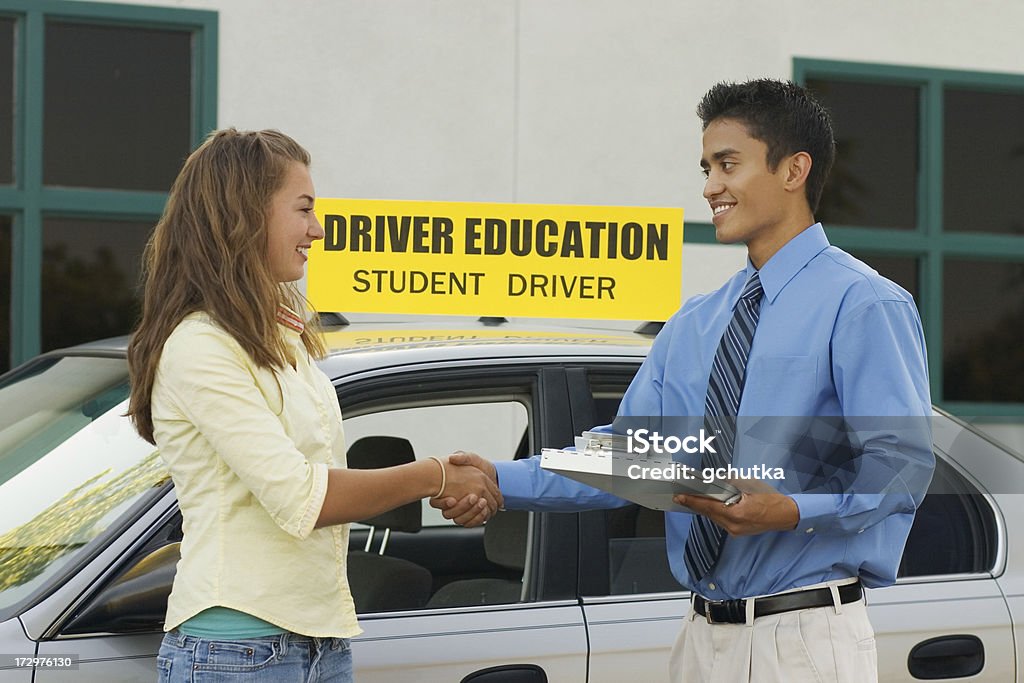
column 784, row 116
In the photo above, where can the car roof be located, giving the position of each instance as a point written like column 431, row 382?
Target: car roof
column 380, row 340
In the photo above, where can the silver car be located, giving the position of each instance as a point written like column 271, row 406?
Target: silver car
column 89, row 525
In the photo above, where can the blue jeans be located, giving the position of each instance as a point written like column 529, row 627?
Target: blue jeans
column 288, row 658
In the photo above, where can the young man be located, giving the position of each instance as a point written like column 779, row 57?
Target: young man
column 804, row 331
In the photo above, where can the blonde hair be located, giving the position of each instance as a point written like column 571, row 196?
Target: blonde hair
column 208, row 253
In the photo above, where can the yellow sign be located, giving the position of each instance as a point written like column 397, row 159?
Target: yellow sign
column 531, row 260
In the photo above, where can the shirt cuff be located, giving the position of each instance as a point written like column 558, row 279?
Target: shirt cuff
column 817, row 512
column 314, row 504
column 514, row 480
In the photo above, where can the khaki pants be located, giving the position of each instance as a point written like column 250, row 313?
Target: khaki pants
column 834, row 644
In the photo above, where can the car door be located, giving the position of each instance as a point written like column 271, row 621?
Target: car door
column 499, row 603
column 495, row 603
column 947, row 617
column 634, row 606
column 110, row 614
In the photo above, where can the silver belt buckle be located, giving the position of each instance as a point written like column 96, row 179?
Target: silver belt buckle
column 708, row 604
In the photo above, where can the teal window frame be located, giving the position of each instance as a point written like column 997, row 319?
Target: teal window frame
column 28, row 201
column 927, row 242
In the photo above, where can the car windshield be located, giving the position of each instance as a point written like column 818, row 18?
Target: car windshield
column 70, row 464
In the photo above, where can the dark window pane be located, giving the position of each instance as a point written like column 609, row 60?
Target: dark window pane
column 901, row 270
column 954, row 529
column 118, row 107
column 983, row 162
column 874, row 180
column 983, row 315
column 90, row 279
column 5, row 293
column 637, row 561
column 6, row 101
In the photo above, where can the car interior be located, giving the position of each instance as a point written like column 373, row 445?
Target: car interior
column 446, row 566
column 382, row 582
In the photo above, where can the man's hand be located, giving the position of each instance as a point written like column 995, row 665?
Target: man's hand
column 468, row 510
column 756, row 512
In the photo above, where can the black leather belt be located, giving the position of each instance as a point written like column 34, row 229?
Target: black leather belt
column 735, row 611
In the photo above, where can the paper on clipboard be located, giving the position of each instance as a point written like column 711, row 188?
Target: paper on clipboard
column 602, row 461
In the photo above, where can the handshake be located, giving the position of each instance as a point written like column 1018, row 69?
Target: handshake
column 470, row 494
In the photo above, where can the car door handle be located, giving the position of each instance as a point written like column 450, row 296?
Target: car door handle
column 508, row 673
column 947, row 657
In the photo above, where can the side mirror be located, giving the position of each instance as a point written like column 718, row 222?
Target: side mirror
column 136, row 601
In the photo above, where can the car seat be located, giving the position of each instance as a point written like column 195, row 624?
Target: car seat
column 381, row 583
column 506, row 539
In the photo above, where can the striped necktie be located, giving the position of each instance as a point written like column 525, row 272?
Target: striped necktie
column 725, row 386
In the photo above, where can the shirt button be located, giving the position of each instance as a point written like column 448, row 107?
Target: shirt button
column 712, row 586
column 810, row 530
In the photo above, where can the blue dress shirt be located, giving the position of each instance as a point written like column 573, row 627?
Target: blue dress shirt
column 834, row 339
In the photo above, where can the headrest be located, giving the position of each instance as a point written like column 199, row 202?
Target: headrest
column 373, row 452
column 505, row 538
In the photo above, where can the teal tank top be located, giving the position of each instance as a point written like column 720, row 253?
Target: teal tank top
column 222, row 623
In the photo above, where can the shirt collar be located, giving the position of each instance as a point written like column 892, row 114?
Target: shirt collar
column 789, row 260
column 290, row 319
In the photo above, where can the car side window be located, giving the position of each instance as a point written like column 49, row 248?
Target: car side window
column 412, row 558
column 495, row 429
column 954, row 530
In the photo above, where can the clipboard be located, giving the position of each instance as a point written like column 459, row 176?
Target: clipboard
column 601, row 460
